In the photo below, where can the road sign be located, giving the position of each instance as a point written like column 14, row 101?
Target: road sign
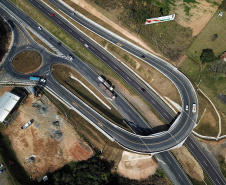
column 160, row 19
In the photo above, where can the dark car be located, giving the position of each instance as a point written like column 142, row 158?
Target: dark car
column 143, row 56
column 1, row 171
column 143, row 89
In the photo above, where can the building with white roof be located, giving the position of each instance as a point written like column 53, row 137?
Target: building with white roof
column 7, row 103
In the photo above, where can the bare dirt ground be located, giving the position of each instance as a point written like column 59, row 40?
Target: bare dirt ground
column 188, row 162
column 214, row 147
column 199, row 16
column 132, row 168
column 44, row 147
column 3, row 89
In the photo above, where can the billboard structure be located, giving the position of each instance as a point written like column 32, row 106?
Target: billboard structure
column 160, row 19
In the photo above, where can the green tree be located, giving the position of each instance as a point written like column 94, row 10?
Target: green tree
column 207, row 56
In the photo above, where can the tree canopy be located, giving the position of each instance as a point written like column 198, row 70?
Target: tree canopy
column 207, row 56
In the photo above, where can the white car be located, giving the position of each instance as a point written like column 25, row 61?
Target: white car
column 70, row 56
column 1, row 165
column 194, row 108
column 40, row 28
column 186, row 107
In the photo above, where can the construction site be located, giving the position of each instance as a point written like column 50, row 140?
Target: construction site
column 46, row 143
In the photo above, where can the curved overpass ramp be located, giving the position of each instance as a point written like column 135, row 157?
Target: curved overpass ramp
column 178, row 132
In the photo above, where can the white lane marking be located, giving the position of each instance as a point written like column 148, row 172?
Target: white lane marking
column 180, row 176
column 205, row 163
column 59, row 22
column 169, row 161
column 153, row 101
column 84, row 68
column 70, row 30
column 80, row 39
column 103, row 57
column 192, row 146
column 166, row 115
column 128, row 78
column 218, row 181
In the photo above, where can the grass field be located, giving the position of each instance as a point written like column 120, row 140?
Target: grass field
column 27, row 61
column 209, row 122
column 212, row 84
column 204, row 40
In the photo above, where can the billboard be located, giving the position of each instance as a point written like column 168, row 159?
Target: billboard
column 160, row 19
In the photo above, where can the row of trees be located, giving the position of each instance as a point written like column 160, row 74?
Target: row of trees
column 3, row 37
column 97, row 171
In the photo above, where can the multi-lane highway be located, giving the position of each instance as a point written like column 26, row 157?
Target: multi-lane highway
column 141, row 138
column 170, row 165
column 154, row 143
column 203, row 159
column 144, row 144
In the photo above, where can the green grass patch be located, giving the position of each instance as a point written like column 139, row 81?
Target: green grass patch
column 208, row 125
column 170, row 38
column 207, row 179
column 204, row 39
column 222, row 163
column 191, row 69
column 212, row 84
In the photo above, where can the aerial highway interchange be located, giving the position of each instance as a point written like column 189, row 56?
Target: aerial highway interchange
column 141, row 143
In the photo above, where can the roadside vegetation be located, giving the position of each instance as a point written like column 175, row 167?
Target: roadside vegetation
column 27, row 61
column 61, row 74
column 4, row 37
column 222, row 163
column 76, row 47
column 205, row 67
column 170, row 39
column 98, row 171
column 39, row 41
column 16, row 172
column 108, row 159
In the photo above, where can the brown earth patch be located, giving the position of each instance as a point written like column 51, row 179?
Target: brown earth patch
column 134, row 168
column 198, row 17
column 27, row 62
column 39, row 140
column 188, row 162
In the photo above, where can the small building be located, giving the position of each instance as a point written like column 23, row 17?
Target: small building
column 223, row 56
column 7, row 102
